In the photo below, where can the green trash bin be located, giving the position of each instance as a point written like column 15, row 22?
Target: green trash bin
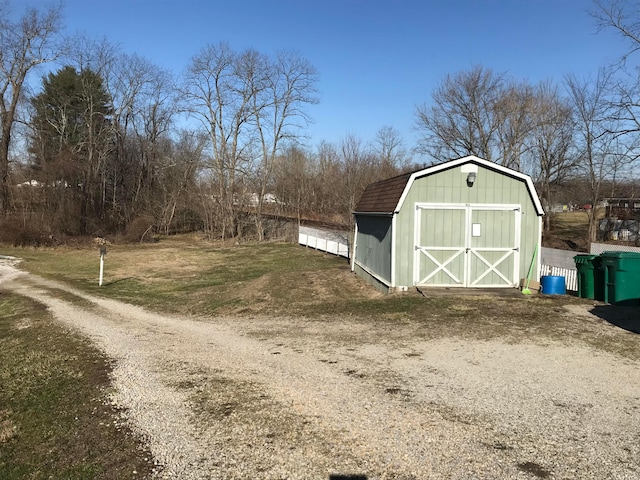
column 590, row 276
column 599, row 284
column 586, row 275
column 621, row 277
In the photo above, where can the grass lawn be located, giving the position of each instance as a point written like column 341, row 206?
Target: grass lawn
column 185, row 275
column 569, row 231
column 54, row 422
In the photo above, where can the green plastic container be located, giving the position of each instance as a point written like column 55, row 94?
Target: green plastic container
column 590, row 276
column 586, row 278
column 622, row 277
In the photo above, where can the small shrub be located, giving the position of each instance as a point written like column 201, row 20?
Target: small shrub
column 26, row 233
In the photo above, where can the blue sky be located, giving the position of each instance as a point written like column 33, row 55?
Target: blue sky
column 377, row 59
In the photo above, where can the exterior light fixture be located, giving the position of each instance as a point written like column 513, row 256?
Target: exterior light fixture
column 471, row 178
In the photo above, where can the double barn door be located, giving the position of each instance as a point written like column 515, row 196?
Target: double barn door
column 467, row 245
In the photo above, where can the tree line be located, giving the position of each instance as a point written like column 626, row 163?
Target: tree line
column 114, row 143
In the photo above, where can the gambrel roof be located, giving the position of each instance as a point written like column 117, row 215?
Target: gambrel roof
column 382, row 197
column 386, row 197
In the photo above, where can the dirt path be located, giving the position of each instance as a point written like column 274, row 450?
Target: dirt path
column 272, row 398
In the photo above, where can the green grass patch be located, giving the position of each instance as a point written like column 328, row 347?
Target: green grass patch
column 54, row 422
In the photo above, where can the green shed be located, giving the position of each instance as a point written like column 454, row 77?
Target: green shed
column 464, row 223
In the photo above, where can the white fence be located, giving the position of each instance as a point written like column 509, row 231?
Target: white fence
column 560, row 262
column 570, row 275
column 553, row 261
column 336, row 243
column 598, row 248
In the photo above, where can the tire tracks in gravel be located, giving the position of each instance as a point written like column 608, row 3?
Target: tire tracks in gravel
column 346, row 426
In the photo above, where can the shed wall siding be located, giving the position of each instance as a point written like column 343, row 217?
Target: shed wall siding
column 373, row 250
column 449, row 186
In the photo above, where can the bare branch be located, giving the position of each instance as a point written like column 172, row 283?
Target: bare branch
column 24, row 44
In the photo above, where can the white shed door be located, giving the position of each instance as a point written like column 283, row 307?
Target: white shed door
column 467, row 245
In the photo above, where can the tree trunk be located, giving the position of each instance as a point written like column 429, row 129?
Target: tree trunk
column 4, row 171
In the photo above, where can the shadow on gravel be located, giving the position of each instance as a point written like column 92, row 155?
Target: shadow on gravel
column 347, row 477
column 627, row 318
column 535, row 469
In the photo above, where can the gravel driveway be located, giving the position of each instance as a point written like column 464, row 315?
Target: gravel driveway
column 280, row 398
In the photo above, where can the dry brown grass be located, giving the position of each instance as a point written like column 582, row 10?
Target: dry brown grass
column 188, row 275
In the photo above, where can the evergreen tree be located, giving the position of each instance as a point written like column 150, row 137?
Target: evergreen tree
column 71, row 144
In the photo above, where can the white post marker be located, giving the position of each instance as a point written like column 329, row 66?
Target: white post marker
column 103, row 252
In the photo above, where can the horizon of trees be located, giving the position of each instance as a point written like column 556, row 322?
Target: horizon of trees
column 114, row 143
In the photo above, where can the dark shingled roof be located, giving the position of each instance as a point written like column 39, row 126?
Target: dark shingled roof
column 383, row 196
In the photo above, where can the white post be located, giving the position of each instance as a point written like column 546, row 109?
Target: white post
column 101, row 268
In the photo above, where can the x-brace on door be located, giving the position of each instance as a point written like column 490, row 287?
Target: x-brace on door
column 467, row 245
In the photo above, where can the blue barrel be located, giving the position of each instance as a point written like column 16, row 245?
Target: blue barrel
column 553, row 285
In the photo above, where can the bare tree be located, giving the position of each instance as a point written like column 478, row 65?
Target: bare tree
column 461, row 121
column 327, row 180
column 177, row 182
column 622, row 16
column 601, row 149
column 24, row 44
column 514, row 124
column 390, row 151
column 550, row 138
column 328, row 183
column 218, row 95
column 248, row 104
column 479, row 113
column 71, row 129
column 293, row 182
column 288, row 84
column 144, row 107
column 97, row 56
column 359, row 167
